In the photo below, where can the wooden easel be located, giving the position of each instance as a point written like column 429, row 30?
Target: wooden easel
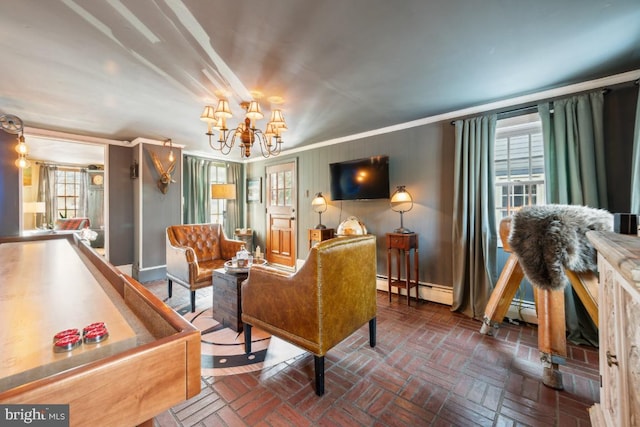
column 552, row 340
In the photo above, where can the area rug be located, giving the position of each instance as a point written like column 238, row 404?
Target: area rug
column 223, row 348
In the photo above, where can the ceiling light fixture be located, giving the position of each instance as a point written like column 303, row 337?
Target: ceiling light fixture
column 270, row 140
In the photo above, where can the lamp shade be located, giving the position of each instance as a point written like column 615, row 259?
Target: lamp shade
column 319, row 203
column 223, row 191
column 253, row 111
column 223, row 110
column 401, row 200
column 208, row 115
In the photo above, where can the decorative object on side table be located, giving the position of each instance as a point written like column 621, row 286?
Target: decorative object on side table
column 402, row 202
column 351, row 226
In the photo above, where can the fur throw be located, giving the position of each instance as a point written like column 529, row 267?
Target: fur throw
column 551, row 238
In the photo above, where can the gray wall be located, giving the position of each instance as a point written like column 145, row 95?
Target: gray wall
column 121, row 202
column 420, row 158
column 155, row 213
column 9, row 186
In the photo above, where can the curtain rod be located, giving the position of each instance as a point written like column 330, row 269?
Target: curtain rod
column 532, row 108
column 65, row 165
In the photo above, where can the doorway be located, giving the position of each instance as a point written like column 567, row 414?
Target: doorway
column 282, row 201
column 66, row 164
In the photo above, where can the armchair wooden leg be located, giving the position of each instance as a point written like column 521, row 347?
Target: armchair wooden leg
column 170, row 286
column 319, row 369
column 193, row 301
column 247, row 338
column 372, row 332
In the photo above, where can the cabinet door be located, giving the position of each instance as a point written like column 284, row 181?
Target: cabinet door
column 610, row 391
column 630, row 363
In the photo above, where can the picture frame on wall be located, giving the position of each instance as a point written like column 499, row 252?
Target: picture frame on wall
column 254, row 190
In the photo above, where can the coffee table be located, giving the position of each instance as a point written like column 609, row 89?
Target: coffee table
column 227, row 298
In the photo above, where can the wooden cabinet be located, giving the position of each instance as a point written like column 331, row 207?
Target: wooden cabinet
column 619, row 330
column 227, row 298
column 317, row 235
column 401, row 244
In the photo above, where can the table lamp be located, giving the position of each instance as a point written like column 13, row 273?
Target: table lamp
column 319, row 205
column 402, row 202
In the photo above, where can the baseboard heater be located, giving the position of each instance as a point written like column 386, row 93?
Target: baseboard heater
column 427, row 291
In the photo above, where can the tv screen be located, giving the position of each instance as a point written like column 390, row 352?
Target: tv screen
column 360, row 179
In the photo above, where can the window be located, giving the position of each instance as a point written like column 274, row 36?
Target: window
column 281, row 188
column 68, row 192
column 519, row 164
column 218, row 173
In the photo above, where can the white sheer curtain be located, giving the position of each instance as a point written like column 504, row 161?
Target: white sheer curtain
column 47, row 194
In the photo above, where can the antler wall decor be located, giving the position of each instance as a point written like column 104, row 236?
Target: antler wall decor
column 165, row 175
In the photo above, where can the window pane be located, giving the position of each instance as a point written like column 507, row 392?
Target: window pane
column 518, row 164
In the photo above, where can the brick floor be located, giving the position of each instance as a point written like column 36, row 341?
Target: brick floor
column 430, row 367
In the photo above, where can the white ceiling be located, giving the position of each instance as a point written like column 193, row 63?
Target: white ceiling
column 122, row 69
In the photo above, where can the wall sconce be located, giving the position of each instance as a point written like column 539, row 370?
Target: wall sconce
column 13, row 124
column 133, row 170
column 22, row 150
column 319, row 205
column 402, row 202
column 164, row 144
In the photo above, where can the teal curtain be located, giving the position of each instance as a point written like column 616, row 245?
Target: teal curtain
column 573, row 134
column 474, row 221
column 635, row 171
column 574, row 150
column 234, row 207
column 196, row 190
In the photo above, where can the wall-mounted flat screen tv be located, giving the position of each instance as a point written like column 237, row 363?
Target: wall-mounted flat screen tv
column 360, row 179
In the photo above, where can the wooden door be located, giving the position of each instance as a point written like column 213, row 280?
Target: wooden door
column 281, row 214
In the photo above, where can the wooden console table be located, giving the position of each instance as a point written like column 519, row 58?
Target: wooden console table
column 402, row 244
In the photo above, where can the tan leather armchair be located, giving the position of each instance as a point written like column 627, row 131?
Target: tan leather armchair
column 330, row 297
column 193, row 252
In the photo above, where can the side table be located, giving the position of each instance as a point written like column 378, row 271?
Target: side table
column 227, row 298
column 401, row 244
column 317, row 235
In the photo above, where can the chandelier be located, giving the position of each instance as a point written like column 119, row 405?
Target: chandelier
column 246, row 133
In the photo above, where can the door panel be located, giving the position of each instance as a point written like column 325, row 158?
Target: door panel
column 281, row 214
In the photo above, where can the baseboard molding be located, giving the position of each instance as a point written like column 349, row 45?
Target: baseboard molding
column 427, row 291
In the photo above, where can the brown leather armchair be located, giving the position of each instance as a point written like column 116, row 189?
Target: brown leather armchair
column 193, row 252
column 331, row 296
